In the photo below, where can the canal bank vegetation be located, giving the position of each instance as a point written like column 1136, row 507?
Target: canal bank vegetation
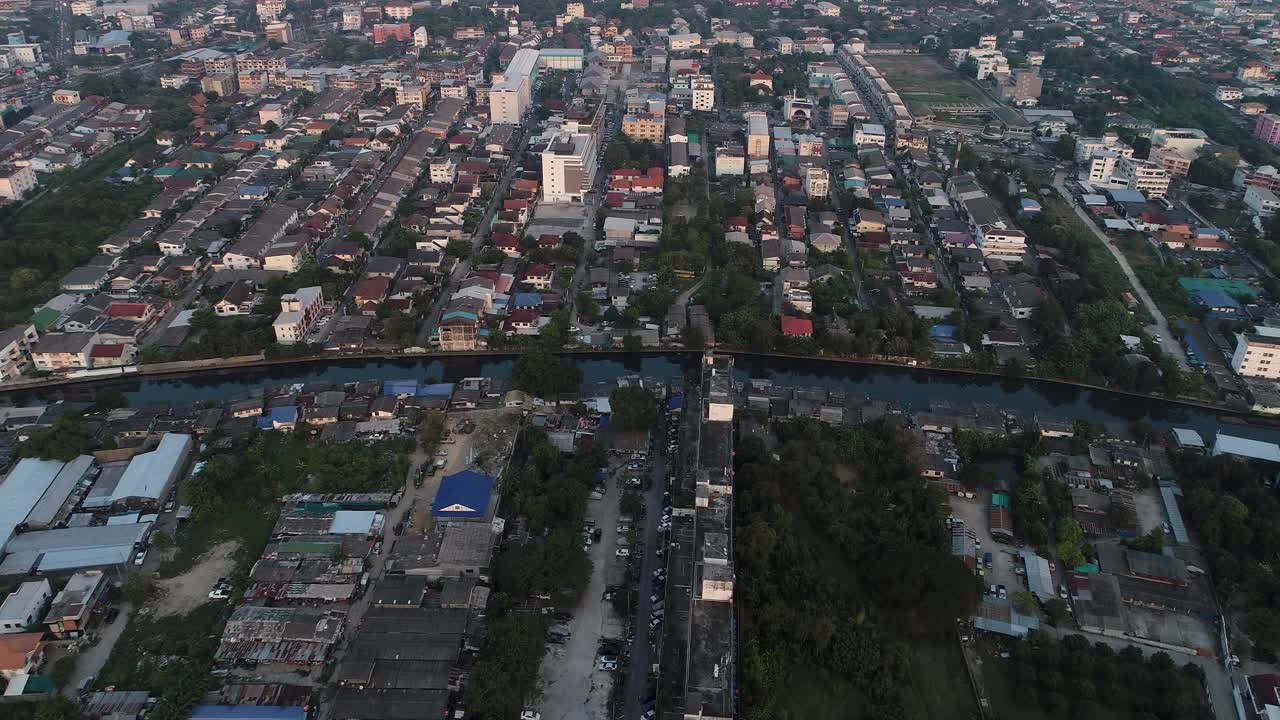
column 544, row 499
column 846, row 585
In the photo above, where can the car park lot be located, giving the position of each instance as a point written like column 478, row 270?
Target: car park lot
column 1004, row 562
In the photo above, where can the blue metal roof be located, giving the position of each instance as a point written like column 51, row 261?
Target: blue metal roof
column 1126, row 196
column 247, row 712
column 529, row 300
column 435, row 390
column 676, row 402
column 463, row 495
column 399, row 387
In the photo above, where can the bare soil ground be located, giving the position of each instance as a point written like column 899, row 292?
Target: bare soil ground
column 182, row 594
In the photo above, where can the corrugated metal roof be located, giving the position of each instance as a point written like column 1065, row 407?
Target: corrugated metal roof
column 149, row 474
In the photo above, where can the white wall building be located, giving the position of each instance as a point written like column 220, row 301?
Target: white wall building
column 298, row 314
column 1261, row 200
column 24, row 606
column 512, row 93
column 1257, row 354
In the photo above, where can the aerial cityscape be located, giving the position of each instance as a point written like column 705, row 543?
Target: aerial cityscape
column 639, row 360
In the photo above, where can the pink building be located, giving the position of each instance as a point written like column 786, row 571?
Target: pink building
column 1267, row 129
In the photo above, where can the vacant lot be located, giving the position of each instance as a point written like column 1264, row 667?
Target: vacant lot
column 182, row 594
column 921, row 80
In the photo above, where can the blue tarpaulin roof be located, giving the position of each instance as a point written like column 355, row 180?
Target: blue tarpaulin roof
column 526, row 300
column 463, row 495
column 1217, row 299
column 435, row 390
column 399, row 387
column 676, row 402
column 942, row 331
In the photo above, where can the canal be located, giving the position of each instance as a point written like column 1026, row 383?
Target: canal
column 911, row 388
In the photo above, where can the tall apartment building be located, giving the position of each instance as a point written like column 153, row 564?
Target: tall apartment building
column 1267, row 129
column 704, row 92
column 413, row 94
column 15, row 350
column 1021, row 87
column 16, row 182
column 1257, row 355
column 1102, row 165
column 1144, row 176
column 1087, row 146
column 568, row 165
column 757, row 134
column 512, row 93
column 645, row 126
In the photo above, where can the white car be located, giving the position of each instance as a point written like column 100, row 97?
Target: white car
column 622, row 552
column 530, row 715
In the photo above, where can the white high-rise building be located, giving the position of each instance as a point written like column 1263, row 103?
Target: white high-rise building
column 757, row 134
column 512, row 93
column 704, row 92
column 569, row 161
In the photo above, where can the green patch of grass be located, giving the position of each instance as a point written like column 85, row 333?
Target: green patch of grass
column 248, row 525
column 1159, row 278
column 153, row 652
column 815, row 694
column 939, row 688
column 922, row 80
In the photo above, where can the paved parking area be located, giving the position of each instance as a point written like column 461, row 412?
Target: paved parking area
column 975, row 514
column 1171, row 627
column 1150, row 510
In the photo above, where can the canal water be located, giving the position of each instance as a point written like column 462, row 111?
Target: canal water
column 911, row 388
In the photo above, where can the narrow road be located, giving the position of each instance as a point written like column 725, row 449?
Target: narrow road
column 637, row 679
column 1168, row 342
column 477, row 240
column 90, row 662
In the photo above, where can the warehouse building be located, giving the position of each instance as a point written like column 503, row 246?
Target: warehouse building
column 38, row 490
column 67, row 550
column 151, row 476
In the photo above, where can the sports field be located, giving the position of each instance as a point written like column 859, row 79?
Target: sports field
column 921, row 80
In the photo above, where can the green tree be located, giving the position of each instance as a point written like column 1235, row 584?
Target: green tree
column 1065, row 148
column 458, row 248
column 1025, row 602
column 1057, row 612
column 63, row 669
column 545, row 374
column 137, row 588
column 634, row 408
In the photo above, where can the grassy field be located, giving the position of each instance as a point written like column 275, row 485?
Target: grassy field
column 939, row 687
column 921, row 80
column 1159, row 279
column 815, row 694
column 250, row 526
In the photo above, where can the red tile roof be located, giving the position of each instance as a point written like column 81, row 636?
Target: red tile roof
column 107, row 351
column 125, row 310
column 797, row 327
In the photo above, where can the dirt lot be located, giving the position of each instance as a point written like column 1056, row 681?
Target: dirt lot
column 181, row 595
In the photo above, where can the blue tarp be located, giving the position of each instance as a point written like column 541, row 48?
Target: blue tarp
column 676, row 402
column 526, row 300
column 463, row 495
column 435, row 390
column 942, row 331
column 396, row 388
column 1216, row 299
